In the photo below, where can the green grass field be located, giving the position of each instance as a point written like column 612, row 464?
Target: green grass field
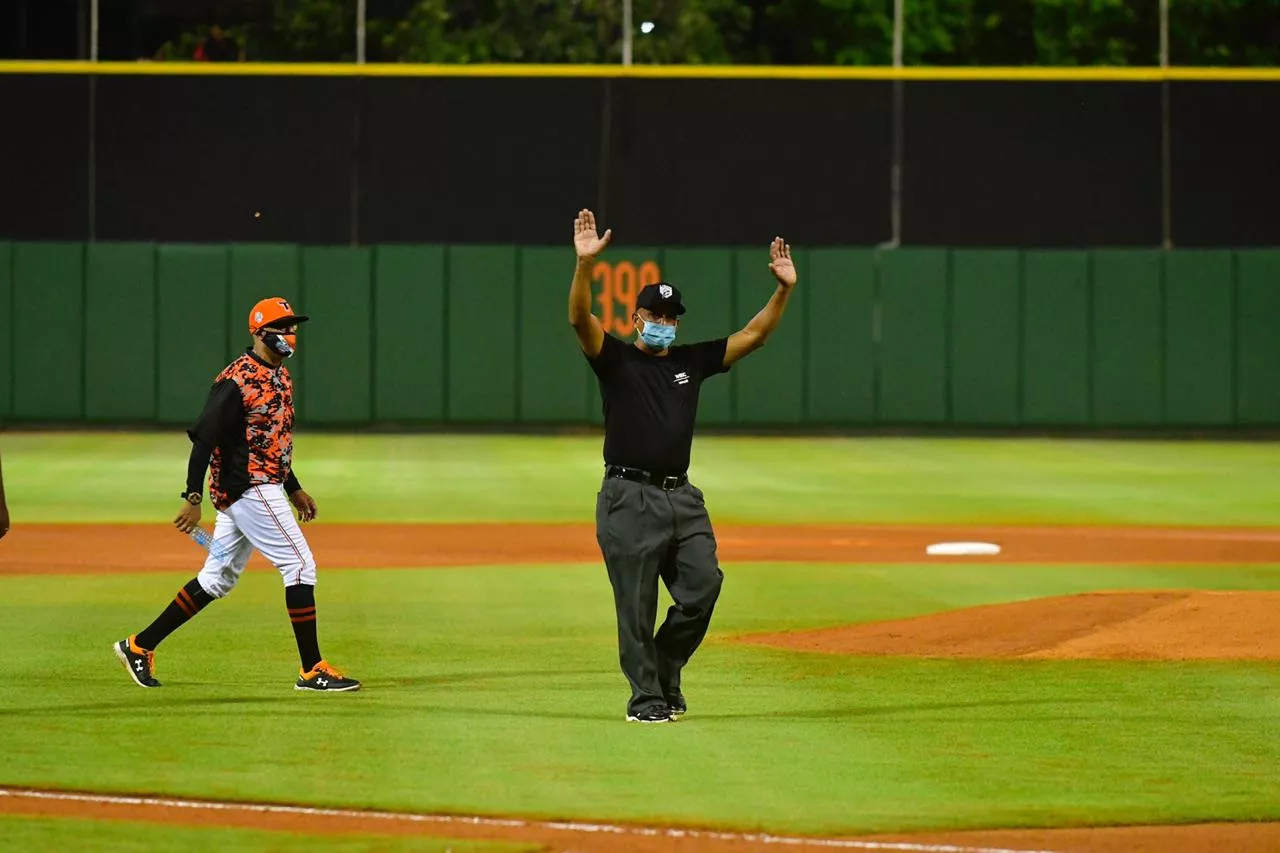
column 130, row 477
column 495, row 690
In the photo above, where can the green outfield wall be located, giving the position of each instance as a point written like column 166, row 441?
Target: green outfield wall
column 420, row 334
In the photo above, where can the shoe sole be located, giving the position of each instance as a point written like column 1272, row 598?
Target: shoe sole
column 327, row 689
column 124, row 661
column 631, row 719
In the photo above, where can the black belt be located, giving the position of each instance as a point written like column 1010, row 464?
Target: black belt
column 662, row 481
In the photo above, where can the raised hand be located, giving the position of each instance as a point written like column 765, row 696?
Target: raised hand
column 780, row 263
column 585, row 239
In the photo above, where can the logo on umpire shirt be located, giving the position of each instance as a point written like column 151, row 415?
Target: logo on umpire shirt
column 682, row 378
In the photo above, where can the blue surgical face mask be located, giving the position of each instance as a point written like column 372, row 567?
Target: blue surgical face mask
column 659, row 336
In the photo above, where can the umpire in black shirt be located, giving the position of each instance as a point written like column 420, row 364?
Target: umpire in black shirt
column 651, row 522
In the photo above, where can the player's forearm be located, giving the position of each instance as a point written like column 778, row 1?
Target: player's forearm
column 291, row 483
column 197, row 465
column 580, row 293
column 766, row 320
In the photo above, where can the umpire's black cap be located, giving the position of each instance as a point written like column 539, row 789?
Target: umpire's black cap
column 662, row 297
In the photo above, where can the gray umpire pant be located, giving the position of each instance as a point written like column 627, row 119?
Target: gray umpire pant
column 646, row 533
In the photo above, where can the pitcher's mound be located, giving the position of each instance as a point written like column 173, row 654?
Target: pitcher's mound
column 1172, row 625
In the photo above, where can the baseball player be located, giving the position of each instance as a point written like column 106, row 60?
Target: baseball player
column 244, row 437
column 4, row 509
column 651, row 522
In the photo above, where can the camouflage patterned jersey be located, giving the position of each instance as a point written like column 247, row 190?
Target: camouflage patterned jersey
column 248, row 421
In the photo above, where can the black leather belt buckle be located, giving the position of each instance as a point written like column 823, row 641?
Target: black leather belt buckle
column 635, row 474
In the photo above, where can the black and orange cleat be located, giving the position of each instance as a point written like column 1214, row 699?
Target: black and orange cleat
column 325, row 679
column 139, row 662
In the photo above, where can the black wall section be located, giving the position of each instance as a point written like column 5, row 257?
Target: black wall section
column 736, row 162
column 666, row 162
column 44, row 157
column 194, row 158
column 1226, row 164
column 478, row 160
column 1061, row 164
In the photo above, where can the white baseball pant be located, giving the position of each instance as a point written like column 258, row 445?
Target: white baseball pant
column 261, row 519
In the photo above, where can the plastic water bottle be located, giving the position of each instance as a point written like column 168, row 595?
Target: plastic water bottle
column 204, row 540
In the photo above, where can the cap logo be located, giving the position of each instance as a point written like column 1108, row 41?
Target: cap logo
column 284, row 305
column 665, row 290
column 257, row 317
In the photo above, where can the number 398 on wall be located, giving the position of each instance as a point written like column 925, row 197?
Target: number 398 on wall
column 619, row 284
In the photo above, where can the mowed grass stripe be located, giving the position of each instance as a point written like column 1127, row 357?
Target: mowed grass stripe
column 30, row 832
column 458, row 478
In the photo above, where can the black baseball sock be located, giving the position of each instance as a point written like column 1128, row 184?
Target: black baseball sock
column 301, row 601
column 189, row 601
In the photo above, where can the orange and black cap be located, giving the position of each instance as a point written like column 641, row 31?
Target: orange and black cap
column 273, row 312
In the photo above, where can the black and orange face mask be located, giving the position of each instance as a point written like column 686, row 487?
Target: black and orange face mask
column 283, row 341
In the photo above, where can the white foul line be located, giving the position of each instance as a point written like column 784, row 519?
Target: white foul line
column 508, row 823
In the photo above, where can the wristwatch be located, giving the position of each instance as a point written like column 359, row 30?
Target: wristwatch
column 193, row 498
